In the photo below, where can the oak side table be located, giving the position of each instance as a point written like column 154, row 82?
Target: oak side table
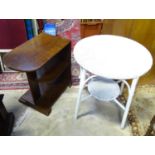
column 46, row 60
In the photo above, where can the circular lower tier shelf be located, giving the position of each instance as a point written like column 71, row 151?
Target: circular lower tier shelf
column 103, row 89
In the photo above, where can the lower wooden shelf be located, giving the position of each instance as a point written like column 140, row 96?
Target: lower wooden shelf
column 57, row 71
column 46, row 101
column 27, row 99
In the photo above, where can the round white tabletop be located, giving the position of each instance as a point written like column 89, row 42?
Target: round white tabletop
column 113, row 57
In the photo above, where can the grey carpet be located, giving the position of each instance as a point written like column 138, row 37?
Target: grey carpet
column 95, row 118
column 12, row 105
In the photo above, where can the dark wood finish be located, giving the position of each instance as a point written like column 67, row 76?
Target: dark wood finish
column 27, row 99
column 34, row 87
column 53, row 75
column 46, row 60
column 6, row 119
column 33, row 54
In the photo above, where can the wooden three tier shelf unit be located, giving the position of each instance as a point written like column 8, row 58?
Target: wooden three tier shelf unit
column 46, row 60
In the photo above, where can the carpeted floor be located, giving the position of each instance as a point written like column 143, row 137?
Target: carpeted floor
column 60, row 121
column 95, row 118
column 143, row 109
column 13, row 81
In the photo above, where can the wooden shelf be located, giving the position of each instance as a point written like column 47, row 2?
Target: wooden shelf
column 58, row 69
column 54, row 91
column 45, row 102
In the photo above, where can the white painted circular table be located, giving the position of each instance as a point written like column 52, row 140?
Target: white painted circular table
column 112, row 57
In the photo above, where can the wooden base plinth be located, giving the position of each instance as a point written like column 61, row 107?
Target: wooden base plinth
column 28, row 100
column 46, row 101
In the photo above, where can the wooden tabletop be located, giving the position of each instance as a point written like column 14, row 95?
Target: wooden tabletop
column 34, row 53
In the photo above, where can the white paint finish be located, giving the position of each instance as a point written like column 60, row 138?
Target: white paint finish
column 82, row 83
column 103, row 89
column 129, row 101
column 113, row 57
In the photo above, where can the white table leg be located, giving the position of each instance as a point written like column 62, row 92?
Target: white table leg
column 127, row 107
column 81, row 86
